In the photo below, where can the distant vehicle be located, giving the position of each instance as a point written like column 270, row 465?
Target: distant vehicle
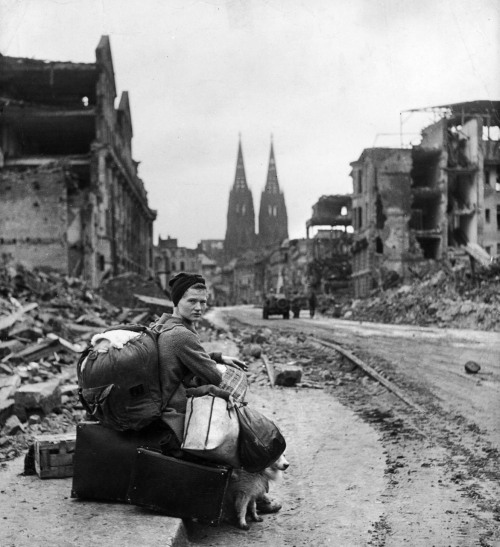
column 276, row 304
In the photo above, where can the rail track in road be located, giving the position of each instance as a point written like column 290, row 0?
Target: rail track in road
column 418, row 368
column 438, row 451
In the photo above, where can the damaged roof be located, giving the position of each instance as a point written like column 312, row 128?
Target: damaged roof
column 471, row 108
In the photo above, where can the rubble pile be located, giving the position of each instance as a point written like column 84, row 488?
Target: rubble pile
column 452, row 297
column 46, row 320
column 290, row 352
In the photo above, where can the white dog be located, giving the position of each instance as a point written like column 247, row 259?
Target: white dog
column 245, row 489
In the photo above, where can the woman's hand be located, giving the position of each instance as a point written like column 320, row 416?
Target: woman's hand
column 234, row 362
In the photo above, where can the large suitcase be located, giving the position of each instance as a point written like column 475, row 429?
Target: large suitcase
column 178, row 488
column 104, row 458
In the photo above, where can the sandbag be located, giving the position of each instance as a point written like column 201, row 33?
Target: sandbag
column 211, row 429
column 261, row 442
column 121, row 388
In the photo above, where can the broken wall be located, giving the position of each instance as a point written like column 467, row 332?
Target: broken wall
column 394, row 189
column 34, row 216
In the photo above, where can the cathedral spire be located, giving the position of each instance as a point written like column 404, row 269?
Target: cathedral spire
column 240, row 231
column 272, row 185
column 273, row 219
column 240, row 179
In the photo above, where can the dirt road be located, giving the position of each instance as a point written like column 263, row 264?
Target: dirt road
column 429, row 361
column 328, row 493
column 440, row 475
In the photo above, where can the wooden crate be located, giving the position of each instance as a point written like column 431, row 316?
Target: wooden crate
column 54, row 455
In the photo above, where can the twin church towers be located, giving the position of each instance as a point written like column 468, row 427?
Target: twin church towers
column 273, row 221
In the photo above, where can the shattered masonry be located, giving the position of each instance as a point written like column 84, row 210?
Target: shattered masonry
column 70, row 195
column 424, row 203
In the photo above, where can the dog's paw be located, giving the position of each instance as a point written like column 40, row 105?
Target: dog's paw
column 243, row 526
column 257, row 519
column 271, row 506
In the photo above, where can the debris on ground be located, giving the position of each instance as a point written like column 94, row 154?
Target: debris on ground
column 46, row 320
column 452, row 297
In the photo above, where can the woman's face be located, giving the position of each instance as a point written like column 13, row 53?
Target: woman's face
column 192, row 304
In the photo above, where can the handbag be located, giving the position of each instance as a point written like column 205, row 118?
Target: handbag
column 261, row 442
column 211, row 429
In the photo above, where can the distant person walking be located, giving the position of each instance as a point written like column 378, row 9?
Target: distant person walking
column 313, row 301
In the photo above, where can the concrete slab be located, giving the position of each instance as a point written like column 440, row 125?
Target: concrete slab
column 42, row 513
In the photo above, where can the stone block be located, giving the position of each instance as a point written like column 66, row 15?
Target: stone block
column 255, row 350
column 6, row 410
column 10, row 346
column 8, row 386
column 287, row 375
column 44, row 396
column 12, row 426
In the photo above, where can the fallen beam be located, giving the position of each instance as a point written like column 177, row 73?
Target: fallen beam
column 269, row 369
column 9, row 320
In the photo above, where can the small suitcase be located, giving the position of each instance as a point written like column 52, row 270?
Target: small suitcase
column 178, row 488
column 104, row 458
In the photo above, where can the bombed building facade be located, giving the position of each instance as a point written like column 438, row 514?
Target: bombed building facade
column 424, row 203
column 329, row 249
column 70, row 195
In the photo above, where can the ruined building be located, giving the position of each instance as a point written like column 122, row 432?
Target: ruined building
column 170, row 259
column 329, row 250
column 420, row 204
column 70, row 195
column 273, row 221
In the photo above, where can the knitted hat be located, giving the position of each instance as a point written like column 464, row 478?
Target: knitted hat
column 181, row 282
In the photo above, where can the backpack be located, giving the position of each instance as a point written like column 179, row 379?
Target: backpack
column 121, row 387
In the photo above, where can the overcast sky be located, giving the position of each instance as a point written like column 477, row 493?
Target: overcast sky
column 326, row 78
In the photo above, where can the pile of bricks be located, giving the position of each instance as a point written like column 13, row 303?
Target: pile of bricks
column 46, row 320
column 453, row 297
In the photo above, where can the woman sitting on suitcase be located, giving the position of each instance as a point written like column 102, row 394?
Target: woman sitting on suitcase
column 183, row 361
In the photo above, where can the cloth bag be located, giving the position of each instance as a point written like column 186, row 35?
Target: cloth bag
column 211, row 429
column 261, row 442
column 235, row 382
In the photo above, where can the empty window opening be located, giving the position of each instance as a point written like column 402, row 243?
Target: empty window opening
column 425, row 164
column 379, row 246
column 381, row 218
column 343, row 211
column 487, row 215
column 359, row 181
column 430, row 247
